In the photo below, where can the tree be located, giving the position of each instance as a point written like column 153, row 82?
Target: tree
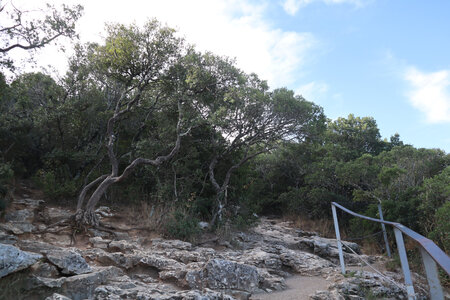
column 22, row 31
column 138, row 68
column 247, row 120
column 355, row 136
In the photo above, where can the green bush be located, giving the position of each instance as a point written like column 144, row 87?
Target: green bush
column 441, row 232
column 183, row 226
column 55, row 187
column 6, row 174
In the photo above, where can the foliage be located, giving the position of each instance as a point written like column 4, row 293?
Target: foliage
column 441, row 231
column 182, row 226
column 144, row 117
column 23, row 30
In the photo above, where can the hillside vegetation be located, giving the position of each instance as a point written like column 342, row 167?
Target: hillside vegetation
column 143, row 118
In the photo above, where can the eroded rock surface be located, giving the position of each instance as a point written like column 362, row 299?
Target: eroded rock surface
column 114, row 265
column 12, row 259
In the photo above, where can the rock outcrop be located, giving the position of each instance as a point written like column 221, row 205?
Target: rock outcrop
column 115, row 266
column 13, row 259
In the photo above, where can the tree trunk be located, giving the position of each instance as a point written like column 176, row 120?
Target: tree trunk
column 87, row 216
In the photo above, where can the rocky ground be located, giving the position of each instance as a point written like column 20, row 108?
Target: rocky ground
column 270, row 261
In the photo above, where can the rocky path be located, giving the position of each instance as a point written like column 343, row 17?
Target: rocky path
column 297, row 288
column 271, row 261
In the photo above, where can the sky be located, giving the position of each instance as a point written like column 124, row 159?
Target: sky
column 385, row 59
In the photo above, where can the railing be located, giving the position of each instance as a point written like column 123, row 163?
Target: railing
column 431, row 254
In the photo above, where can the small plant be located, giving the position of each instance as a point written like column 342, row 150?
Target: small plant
column 181, row 225
column 350, row 274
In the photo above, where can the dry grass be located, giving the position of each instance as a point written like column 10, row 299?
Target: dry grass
column 323, row 227
column 148, row 215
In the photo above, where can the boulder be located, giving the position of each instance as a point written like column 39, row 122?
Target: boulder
column 69, row 261
column 305, row 263
column 12, row 259
column 227, row 275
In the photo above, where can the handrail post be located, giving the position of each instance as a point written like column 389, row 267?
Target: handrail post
column 338, row 238
column 404, row 263
column 388, row 249
column 432, row 275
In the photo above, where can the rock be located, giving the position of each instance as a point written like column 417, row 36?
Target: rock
column 18, row 228
column 104, row 211
column 56, row 214
column 12, row 259
column 223, row 274
column 363, row 285
column 171, row 244
column 111, row 292
column 82, row 286
column 99, row 242
column 63, row 240
column 23, row 215
column 95, row 232
column 303, row 233
column 305, row 263
column 122, row 246
column 69, row 261
column 118, row 236
column 43, row 269
column 7, row 238
column 203, row 225
column 160, row 262
column 29, row 203
column 57, row 296
column 36, row 246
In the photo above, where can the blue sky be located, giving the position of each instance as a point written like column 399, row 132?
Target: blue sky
column 385, row 59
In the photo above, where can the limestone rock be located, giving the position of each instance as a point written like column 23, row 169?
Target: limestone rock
column 43, row 269
column 7, row 238
column 99, row 242
column 122, row 246
column 57, row 296
column 171, row 244
column 104, row 211
column 305, row 263
column 224, row 274
column 69, row 261
column 36, row 246
column 23, row 215
column 12, row 259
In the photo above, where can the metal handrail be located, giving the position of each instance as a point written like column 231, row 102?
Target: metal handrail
column 431, row 253
column 428, row 245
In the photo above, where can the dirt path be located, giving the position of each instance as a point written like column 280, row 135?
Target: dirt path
column 298, row 288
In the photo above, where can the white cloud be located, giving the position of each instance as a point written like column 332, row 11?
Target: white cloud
column 313, row 91
column 292, row 6
column 430, row 93
column 234, row 28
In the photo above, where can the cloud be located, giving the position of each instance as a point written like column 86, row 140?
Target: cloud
column 429, row 92
column 292, row 6
column 235, row 28
column 313, row 91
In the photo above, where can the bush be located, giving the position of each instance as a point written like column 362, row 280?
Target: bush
column 181, row 225
column 441, row 232
column 55, row 187
column 6, row 174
